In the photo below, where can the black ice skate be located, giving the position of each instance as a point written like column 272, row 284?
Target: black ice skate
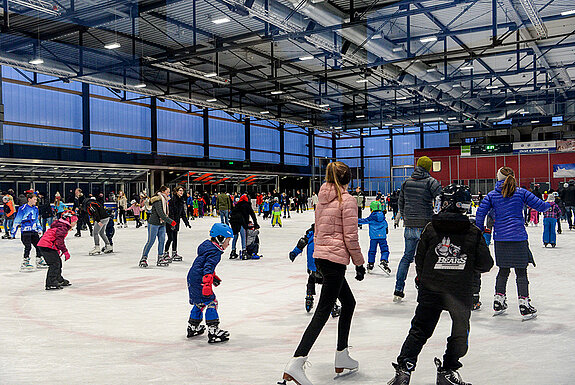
column 385, row 267
column 64, row 283
column 308, row 303
column 370, row 267
column 244, row 256
column 195, row 329
column 447, row 376
column 476, row 302
column 215, row 334
column 233, row 254
column 527, row 311
column 336, row 311
column 54, row 286
column 499, row 304
column 143, row 263
column 176, row 257
column 402, row 375
column 398, row 296
column 163, row 261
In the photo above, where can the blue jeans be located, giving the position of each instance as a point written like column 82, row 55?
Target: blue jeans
column 225, row 217
column 46, row 221
column 569, row 211
column 382, row 243
column 242, row 234
column 154, row 231
column 8, row 225
column 549, row 234
column 411, row 236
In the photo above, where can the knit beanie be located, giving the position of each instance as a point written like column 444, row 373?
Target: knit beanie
column 425, row 162
column 500, row 175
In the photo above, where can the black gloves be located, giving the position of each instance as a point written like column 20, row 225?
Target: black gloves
column 417, row 283
column 359, row 272
column 256, row 226
column 292, row 256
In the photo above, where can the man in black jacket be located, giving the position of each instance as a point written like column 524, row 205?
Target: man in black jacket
column 568, row 196
column 83, row 218
column 450, row 252
column 239, row 220
column 416, row 200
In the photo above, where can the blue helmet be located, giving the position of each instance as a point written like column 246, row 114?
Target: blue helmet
column 220, row 229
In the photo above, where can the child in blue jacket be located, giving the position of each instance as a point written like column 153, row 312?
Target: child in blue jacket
column 314, row 276
column 201, row 277
column 377, row 237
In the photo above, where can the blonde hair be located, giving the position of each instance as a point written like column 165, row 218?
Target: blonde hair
column 510, row 184
column 339, row 174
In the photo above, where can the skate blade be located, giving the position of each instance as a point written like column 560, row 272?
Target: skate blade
column 500, row 312
column 529, row 317
column 341, row 372
column 218, row 341
column 287, row 377
column 397, row 299
column 385, row 271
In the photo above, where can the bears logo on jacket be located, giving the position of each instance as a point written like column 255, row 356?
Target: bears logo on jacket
column 449, row 256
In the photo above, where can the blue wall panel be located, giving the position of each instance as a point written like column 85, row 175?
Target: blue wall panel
column 265, row 157
column 296, row 160
column 181, row 127
column 114, row 143
column 264, row 138
column 38, row 136
column 436, row 139
column 378, row 145
column 377, row 167
column 181, row 149
column 227, row 133
column 405, row 144
column 295, row 143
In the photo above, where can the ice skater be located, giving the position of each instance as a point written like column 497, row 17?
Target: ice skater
column 534, row 217
column 377, row 237
column 28, row 219
column 550, row 219
column 276, row 213
column 177, row 210
column 314, row 276
column 156, row 228
column 53, row 247
column 101, row 218
column 9, row 212
column 252, row 242
column 511, row 241
column 449, row 252
column 201, row 277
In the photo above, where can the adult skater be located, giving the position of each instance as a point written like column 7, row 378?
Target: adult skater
column 28, row 218
column 83, row 218
column 156, row 228
column 9, row 215
column 568, row 196
column 511, row 245
column 122, row 207
column 224, row 205
column 45, row 210
column 98, row 212
column 239, row 220
column 336, row 239
column 415, row 203
column 360, row 200
column 450, row 252
column 177, row 210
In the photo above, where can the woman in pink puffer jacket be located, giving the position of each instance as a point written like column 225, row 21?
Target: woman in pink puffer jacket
column 336, row 241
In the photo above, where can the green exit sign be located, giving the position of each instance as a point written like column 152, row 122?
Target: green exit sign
column 230, row 162
column 490, row 147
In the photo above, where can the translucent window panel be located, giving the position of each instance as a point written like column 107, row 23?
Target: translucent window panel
column 226, row 133
column 265, row 157
column 120, row 118
column 296, row 144
column 117, row 143
column 227, row 153
column 180, row 149
column 25, row 104
column 264, row 138
column 296, row 160
column 347, row 143
column 405, row 144
column 181, row 127
column 436, row 139
column 11, row 73
column 403, row 161
column 39, row 136
column 378, row 145
column 352, row 162
column 376, row 167
column 74, row 86
column 343, row 153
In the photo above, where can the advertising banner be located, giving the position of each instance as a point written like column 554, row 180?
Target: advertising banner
column 564, row 170
column 534, row 147
column 566, row 145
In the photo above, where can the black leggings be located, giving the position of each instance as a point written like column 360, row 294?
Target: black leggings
column 334, row 287
column 54, row 273
column 172, row 238
column 520, row 279
column 29, row 239
column 122, row 216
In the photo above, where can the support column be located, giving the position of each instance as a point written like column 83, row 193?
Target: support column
column 206, row 120
column 311, row 147
column 85, row 116
column 361, row 175
column 390, row 159
column 154, row 124
column 247, row 135
column 282, row 143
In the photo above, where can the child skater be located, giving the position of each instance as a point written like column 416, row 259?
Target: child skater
column 201, row 277
column 252, row 243
column 377, row 237
column 52, row 247
column 534, row 215
column 277, row 213
column 550, row 219
column 450, row 250
column 28, row 219
column 136, row 210
column 314, row 276
column 266, row 209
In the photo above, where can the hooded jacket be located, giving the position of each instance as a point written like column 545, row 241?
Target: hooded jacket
column 416, row 198
column 335, row 235
column 451, row 250
column 507, row 213
column 241, row 214
column 54, row 237
column 377, row 225
column 96, row 209
column 209, row 255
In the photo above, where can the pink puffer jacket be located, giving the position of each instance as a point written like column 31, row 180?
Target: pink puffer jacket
column 335, row 235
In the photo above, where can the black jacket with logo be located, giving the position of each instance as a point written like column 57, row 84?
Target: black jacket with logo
column 450, row 251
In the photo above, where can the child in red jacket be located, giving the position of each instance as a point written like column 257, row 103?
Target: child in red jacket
column 52, row 246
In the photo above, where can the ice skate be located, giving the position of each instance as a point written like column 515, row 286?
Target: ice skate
column 295, row 371
column 195, row 329
column 344, row 364
column 26, row 265
column 499, row 304
column 385, row 267
column 402, row 375
column 370, row 267
column 143, row 262
column 215, row 334
column 398, row 296
column 95, row 251
column 233, row 254
column 308, row 303
column 336, row 311
column 476, row 302
column 108, row 249
column 54, row 286
column 553, row 245
column 40, row 263
column 447, row 376
column 162, row 261
column 176, row 257
column 527, row 311
column 64, row 283
column 244, row 256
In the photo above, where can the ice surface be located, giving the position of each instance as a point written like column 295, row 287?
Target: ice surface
column 119, row 324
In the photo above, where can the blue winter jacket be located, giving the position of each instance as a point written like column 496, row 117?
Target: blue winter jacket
column 309, row 250
column 27, row 218
column 508, row 213
column 209, row 255
column 377, row 225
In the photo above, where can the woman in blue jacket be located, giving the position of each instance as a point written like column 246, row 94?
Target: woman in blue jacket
column 511, row 246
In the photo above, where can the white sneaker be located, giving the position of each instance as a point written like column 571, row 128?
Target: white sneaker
column 108, row 249
column 95, row 251
column 295, row 371
column 344, row 361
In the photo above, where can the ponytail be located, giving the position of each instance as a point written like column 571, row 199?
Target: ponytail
column 510, row 184
column 339, row 174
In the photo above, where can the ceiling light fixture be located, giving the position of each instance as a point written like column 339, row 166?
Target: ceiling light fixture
column 277, row 92
column 362, row 81
column 338, row 128
column 212, row 100
column 113, row 45
column 429, row 110
column 452, row 118
column 306, row 121
column 360, row 116
column 466, row 67
column 181, row 69
column 428, row 39
column 221, row 20
column 325, row 105
column 431, row 69
column 456, row 85
column 377, row 36
column 492, row 87
column 304, row 58
column 511, row 102
column 397, row 49
column 36, row 61
column 470, row 126
column 265, row 112
column 211, row 75
column 401, row 98
column 568, row 13
column 140, row 85
column 534, row 121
